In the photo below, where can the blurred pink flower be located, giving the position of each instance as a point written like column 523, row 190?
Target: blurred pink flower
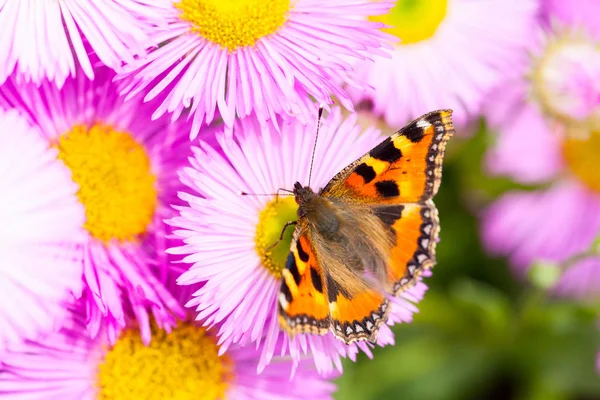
column 580, row 13
column 581, row 280
column 50, row 39
column 183, row 363
column 40, row 265
column 125, row 166
column 548, row 123
column 248, row 59
column 224, row 233
column 451, row 53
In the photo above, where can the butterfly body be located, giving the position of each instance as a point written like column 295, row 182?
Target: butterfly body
column 367, row 235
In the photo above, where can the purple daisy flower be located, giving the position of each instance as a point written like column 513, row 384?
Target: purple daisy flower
column 228, row 236
column 49, row 39
column 242, row 58
column 125, row 166
column 548, row 123
column 451, row 52
column 40, row 265
column 185, row 363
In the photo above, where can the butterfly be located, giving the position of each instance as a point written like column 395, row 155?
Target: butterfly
column 368, row 234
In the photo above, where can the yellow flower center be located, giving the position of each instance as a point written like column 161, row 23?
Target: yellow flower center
column 268, row 230
column 567, row 89
column 234, row 23
column 414, row 20
column 182, row 365
column 116, row 184
column 583, row 159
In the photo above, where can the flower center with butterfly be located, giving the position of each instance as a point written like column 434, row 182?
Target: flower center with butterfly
column 234, row 23
column 413, row 21
column 183, row 364
column 116, row 184
column 271, row 250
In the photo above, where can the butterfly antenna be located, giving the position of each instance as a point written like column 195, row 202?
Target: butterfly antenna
column 312, row 160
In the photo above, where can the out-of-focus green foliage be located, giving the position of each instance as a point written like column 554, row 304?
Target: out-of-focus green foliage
column 481, row 332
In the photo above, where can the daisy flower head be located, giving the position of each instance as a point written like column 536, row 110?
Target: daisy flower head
column 240, row 58
column 228, row 237
column 49, row 39
column 449, row 54
column 548, row 125
column 185, row 363
column 40, row 265
column 125, row 167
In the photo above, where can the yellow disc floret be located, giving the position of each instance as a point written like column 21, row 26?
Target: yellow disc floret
column 583, row 159
column 116, row 184
column 234, row 23
column 182, row 365
column 413, row 21
column 268, row 230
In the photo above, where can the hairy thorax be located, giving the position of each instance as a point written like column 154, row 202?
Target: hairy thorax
column 349, row 239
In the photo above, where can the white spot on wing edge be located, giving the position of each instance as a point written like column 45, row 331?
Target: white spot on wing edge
column 283, row 301
column 423, row 124
column 427, row 229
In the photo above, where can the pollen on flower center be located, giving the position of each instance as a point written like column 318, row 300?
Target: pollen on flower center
column 414, row 20
column 566, row 88
column 116, row 184
column 582, row 158
column 183, row 364
column 234, row 23
column 268, row 230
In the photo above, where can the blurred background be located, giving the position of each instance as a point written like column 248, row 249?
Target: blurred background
column 481, row 332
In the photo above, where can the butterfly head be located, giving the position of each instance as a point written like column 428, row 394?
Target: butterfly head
column 303, row 194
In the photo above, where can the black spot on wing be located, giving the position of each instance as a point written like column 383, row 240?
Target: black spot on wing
column 290, row 265
column 286, row 291
column 380, row 147
column 334, row 289
column 387, row 188
column 316, row 280
column 413, row 132
column 301, row 253
column 366, row 172
column 390, row 214
column 388, row 153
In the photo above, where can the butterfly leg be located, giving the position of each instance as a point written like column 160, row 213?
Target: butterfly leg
column 282, row 233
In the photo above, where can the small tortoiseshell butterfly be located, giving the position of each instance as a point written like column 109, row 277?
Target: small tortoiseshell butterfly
column 370, row 232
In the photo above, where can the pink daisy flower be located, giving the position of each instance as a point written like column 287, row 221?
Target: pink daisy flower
column 40, row 266
column 548, row 121
column 584, row 12
column 125, row 166
column 185, row 363
column 241, row 58
column 227, row 236
column 49, row 39
column 451, row 52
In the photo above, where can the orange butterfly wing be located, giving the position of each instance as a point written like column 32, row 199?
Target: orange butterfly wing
column 415, row 229
column 303, row 305
column 306, row 305
column 404, row 168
